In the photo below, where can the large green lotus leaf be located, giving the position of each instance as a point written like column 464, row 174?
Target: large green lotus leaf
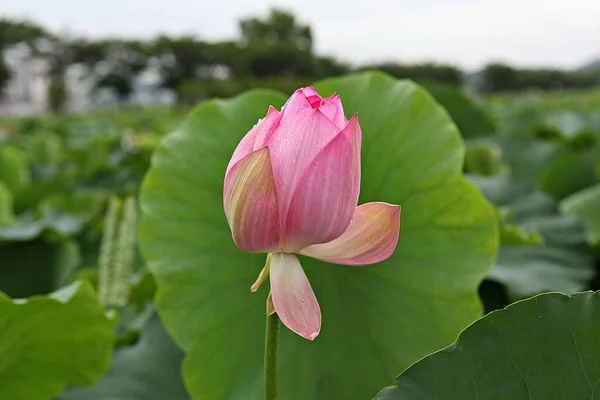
column 585, row 205
column 147, row 370
column 376, row 319
column 546, row 347
column 563, row 263
column 49, row 342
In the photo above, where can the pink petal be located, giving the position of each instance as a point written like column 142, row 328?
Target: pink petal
column 250, row 203
column 313, row 97
column 333, row 110
column 371, row 237
column 254, row 139
column 293, row 298
column 294, row 145
column 296, row 103
column 314, row 101
column 324, row 201
column 354, row 135
column 302, row 100
column 310, row 91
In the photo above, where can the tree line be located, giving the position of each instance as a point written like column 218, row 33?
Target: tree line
column 275, row 52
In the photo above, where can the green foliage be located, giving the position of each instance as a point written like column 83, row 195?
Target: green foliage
column 421, row 72
column 501, row 77
column 585, row 205
column 55, row 217
column 123, row 61
column 5, row 75
column 445, row 250
column 191, row 92
column 143, row 289
column 570, row 171
column 545, row 347
column 277, row 46
column 471, row 117
column 57, row 94
column 7, row 217
column 551, row 144
column 117, row 250
column 20, row 31
column 279, row 27
column 36, row 267
column 563, row 263
column 484, row 159
column 14, row 171
column 512, row 234
column 73, row 165
column 39, row 356
column 147, row 370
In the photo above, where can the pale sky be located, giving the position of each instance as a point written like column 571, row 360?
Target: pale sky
column 467, row 33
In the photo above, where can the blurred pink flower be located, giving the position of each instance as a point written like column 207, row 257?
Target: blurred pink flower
column 292, row 187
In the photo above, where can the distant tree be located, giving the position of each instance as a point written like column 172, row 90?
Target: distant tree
column 329, row 66
column 20, row 31
column 39, row 41
column 4, row 75
column 122, row 61
column 57, row 94
column 280, row 27
column 421, row 72
column 183, row 60
column 277, row 46
column 499, row 77
column 231, row 54
column 87, row 52
column 279, row 60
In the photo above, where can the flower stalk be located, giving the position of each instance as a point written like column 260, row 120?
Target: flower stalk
column 271, row 349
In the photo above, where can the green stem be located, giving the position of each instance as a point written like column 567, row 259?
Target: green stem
column 271, row 347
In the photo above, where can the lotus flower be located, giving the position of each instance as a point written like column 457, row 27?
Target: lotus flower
column 292, row 187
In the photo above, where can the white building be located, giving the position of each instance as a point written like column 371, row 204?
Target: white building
column 147, row 90
column 79, row 87
column 26, row 93
column 27, row 90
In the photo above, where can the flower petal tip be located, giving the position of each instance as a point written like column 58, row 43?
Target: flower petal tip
column 293, row 298
column 372, row 237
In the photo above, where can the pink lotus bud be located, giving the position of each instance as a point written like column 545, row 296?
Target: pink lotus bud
column 292, row 186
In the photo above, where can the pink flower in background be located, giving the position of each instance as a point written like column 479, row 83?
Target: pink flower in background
column 292, row 187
